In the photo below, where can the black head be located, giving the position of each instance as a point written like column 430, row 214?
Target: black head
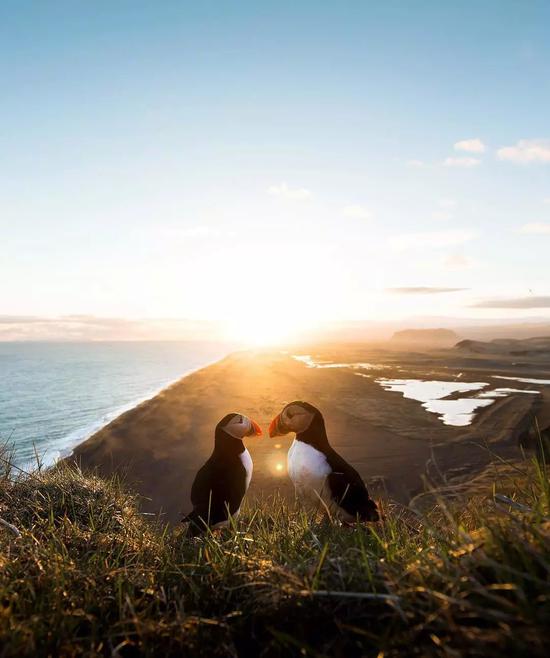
column 237, row 426
column 302, row 418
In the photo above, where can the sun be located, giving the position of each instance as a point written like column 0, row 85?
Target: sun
column 264, row 305
column 263, row 333
column 267, row 331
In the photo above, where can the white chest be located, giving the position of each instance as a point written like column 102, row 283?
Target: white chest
column 246, row 461
column 308, row 468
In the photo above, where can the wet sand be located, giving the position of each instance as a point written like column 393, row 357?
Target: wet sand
column 392, row 441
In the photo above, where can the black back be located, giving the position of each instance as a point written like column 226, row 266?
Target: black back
column 220, row 484
column 346, row 486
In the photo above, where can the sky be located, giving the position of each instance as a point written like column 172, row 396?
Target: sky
column 271, row 166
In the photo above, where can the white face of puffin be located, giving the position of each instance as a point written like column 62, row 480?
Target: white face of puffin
column 293, row 418
column 240, row 426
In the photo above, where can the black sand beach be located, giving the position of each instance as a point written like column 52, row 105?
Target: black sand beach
column 391, row 440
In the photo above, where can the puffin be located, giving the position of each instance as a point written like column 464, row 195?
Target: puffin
column 221, row 483
column 317, row 470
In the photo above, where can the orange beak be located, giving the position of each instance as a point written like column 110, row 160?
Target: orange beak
column 274, row 426
column 257, row 430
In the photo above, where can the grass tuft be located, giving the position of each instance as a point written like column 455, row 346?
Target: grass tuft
column 90, row 575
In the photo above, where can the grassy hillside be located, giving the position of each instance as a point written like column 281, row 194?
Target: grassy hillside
column 90, row 575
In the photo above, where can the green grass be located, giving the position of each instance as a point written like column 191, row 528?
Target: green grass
column 90, row 575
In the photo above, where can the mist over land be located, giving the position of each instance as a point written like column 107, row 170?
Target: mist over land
column 84, row 328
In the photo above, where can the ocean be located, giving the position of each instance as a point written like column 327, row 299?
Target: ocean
column 55, row 395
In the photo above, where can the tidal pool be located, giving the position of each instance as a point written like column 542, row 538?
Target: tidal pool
column 432, row 394
column 505, row 392
column 310, row 362
column 458, row 412
column 524, row 380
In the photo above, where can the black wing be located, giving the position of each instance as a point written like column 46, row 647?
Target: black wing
column 348, row 490
column 218, row 489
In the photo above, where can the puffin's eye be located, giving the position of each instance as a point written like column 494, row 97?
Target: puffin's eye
column 241, row 420
column 290, row 414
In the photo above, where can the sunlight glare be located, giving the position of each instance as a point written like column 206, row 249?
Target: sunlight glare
column 278, row 309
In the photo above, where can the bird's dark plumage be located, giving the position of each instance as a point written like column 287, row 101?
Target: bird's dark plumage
column 221, row 483
column 216, row 492
column 313, row 460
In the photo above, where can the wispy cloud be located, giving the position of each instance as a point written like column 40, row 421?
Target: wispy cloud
column 536, row 228
column 446, row 207
column 519, row 302
column 458, row 262
column 198, row 232
column 284, row 191
column 93, row 328
column 471, row 145
column 356, row 211
column 19, row 319
column 464, row 162
column 441, row 215
column 423, row 290
column 526, row 151
column 430, row 239
column 447, row 203
column 416, row 164
column 172, row 233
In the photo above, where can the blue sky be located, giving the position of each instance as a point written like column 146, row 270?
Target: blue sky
column 342, row 159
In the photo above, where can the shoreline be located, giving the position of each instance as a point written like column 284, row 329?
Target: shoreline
column 54, row 396
column 92, row 429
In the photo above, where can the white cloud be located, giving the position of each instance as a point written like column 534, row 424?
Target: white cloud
column 423, row 290
column 284, row 191
column 430, row 239
column 175, row 234
column 199, row 232
column 93, row 328
column 355, row 211
column 471, row 145
column 546, row 201
column 536, row 228
column 541, row 301
column 447, row 203
column 416, row 164
column 442, row 215
column 465, row 162
column 190, row 232
column 458, row 262
column 526, row 151
column 445, row 213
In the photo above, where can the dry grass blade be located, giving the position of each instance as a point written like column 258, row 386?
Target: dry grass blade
column 512, row 503
column 367, row 596
column 10, row 526
column 89, row 574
